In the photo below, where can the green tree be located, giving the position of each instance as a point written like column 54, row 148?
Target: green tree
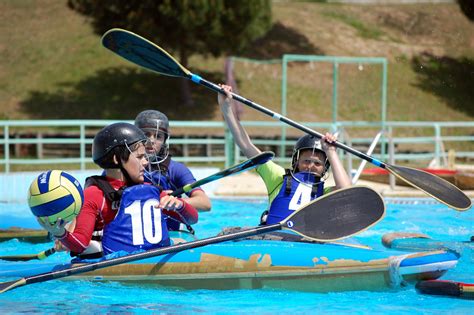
column 467, row 7
column 184, row 27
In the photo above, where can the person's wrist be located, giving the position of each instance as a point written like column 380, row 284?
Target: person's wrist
column 180, row 208
column 60, row 234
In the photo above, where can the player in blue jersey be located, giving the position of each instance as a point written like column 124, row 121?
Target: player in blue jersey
column 289, row 189
column 163, row 170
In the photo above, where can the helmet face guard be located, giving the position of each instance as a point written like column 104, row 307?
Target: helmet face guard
column 308, row 142
column 155, row 125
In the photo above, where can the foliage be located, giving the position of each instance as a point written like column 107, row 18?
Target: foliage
column 467, row 7
column 207, row 27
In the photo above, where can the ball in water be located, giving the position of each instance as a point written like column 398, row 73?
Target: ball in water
column 55, row 194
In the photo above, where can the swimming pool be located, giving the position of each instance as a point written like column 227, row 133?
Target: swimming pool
column 408, row 215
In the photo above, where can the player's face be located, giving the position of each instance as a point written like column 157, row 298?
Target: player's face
column 156, row 139
column 136, row 164
column 312, row 162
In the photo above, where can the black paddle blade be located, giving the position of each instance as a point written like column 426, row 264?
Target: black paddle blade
column 337, row 215
column 141, row 51
column 433, row 185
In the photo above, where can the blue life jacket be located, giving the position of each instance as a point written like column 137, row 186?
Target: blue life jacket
column 294, row 194
column 138, row 225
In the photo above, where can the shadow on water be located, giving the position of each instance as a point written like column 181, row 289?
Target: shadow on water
column 120, row 93
column 280, row 40
column 449, row 78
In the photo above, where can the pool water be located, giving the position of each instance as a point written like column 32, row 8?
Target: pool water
column 403, row 215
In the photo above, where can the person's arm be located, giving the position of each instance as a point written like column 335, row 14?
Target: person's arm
column 180, row 175
column 78, row 240
column 341, row 178
column 241, row 136
column 199, row 200
column 177, row 207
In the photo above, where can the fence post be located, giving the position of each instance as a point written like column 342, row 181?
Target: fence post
column 437, row 144
column 83, row 147
column 391, row 156
column 7, row 149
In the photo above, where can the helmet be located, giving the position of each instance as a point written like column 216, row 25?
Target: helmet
column 307, row 142
column 114, row 136
column 152, row 119
column 155, row 122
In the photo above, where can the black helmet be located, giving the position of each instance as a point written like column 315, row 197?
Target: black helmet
column 152, row 119
column 307, row 142
column 117, row 135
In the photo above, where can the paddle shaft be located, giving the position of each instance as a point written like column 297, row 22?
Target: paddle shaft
column 134, row 257
column 199, row 80
column 244, row 166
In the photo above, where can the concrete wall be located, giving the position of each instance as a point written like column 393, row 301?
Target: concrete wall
column 14, row 186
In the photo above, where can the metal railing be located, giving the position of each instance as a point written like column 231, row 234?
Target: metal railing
column 216, row 144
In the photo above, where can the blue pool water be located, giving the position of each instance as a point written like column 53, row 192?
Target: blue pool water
column 404, row 215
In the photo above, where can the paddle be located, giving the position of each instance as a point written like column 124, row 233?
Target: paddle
column 141, row 51
column 27, row 257
column 249, row 164
column 334, row 216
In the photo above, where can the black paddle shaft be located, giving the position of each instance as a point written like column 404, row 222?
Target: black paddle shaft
column 244, row 166
column 141, row 51
column 217, row 88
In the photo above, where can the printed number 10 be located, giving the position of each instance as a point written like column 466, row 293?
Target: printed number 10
column 144, row 227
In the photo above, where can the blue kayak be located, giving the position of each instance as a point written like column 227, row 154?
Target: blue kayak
column 249, row 264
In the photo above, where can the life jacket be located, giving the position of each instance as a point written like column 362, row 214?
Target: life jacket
column 138, row 225
column 110, row 193
column 294, row 193
column 94, row 249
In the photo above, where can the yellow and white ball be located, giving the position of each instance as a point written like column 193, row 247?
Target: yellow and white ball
column 55, row 194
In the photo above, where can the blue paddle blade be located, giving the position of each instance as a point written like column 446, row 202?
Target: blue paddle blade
column 141, row 51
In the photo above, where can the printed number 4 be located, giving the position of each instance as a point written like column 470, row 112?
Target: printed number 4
column 145, row 221
column 302, row 196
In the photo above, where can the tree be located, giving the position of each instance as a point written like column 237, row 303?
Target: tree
column 467, row 7
column 184, row 27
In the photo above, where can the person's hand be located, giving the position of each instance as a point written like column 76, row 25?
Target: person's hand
column 169, row 202
column 327, row 142
column 60, row 247
column 57, row 230
column 225, row 100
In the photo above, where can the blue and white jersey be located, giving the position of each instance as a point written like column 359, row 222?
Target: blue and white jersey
column 289, row 200
column 138, row 225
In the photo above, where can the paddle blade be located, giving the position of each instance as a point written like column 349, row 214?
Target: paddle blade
column 433, row 185
column 141, row 51
column 337, row 215
column 6, row 286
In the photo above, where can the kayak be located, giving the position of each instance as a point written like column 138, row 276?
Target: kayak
column 422, row 242
column 24, row 235
column 250, row 264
